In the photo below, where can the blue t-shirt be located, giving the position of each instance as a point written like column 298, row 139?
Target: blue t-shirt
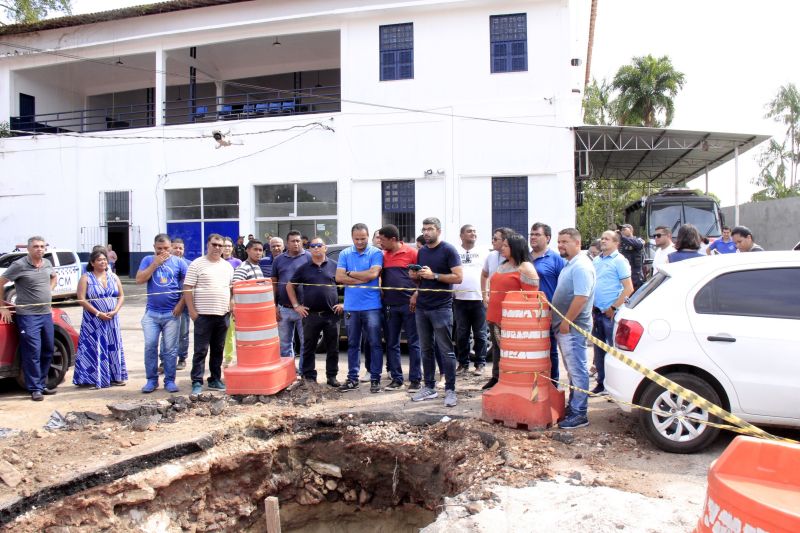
column 283, row 268
column 266, row 265
column 164, row 286
column 440, row 260
column 549, row 266
column 350, row 260
column 611, row 270
column 723, row 247
column 576, row 279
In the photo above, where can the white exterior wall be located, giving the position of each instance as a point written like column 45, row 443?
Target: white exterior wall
column 61, row 177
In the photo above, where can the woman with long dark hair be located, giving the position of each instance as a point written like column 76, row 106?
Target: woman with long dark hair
column 100, row 361
column 687, row 244
column 515, row 273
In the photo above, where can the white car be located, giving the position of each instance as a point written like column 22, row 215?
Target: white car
column 67, row 267
column 724, row 326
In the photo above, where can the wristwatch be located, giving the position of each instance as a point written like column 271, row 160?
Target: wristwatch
column 436, row 277
column 295, row 306
column 614, row 308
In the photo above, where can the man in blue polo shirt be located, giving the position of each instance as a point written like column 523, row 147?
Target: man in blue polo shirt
column 548, row 265
column 725, row 245
column 441, row 268
column 614, row 285
column 164, row 274
column 359, row 268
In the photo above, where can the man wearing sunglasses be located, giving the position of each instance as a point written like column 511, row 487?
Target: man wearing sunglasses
column 207, row 295
column 664, row 246
column 319, row 306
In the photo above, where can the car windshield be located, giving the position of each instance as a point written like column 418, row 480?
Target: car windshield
column 701, row 214
column 646, row 289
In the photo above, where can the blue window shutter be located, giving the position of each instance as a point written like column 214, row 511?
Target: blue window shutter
column 397, row 52
column 509, row 42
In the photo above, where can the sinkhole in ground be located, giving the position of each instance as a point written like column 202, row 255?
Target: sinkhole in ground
column 369, row 472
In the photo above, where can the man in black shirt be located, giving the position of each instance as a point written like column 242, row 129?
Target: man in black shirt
column 320, row 309
column 632, row 248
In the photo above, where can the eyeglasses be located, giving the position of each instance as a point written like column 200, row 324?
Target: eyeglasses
column 316, row 245
column 216, row 245
column 659, row 235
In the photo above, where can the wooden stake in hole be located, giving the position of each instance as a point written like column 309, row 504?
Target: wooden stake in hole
column 273, row 515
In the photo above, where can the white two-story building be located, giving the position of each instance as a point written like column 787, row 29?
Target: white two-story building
column 329, row 113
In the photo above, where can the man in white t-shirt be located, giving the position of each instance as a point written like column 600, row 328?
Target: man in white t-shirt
column 664, row 246
column 468, row 309
column 207, row 293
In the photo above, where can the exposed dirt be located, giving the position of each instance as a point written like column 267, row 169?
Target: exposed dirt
column 103, row 472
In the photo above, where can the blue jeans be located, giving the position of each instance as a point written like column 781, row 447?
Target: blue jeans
column 470, row 316
column 435, row 327
column 166, row 326
column 400, row 317
column 553, row 357
column 183, row 337
column 36, row 348
column 603, row 329
column 573, row 351
column 359, row 322
column 289, row 324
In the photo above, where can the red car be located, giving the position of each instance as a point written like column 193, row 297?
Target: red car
column 66, row 342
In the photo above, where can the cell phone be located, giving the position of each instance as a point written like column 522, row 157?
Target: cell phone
column 415, row 268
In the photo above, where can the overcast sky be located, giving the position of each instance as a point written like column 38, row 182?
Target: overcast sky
column 735, row 55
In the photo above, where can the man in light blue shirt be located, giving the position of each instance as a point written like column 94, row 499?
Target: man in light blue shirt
column 614, row 285
column 573, row 297
column 359, row 267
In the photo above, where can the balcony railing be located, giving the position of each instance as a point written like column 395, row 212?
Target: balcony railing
column 85, row 120
column 254, row 105
column 210, row 109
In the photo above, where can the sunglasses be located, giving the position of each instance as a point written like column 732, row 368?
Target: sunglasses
column 215, row 245
column 316, row 245
column 659, row 235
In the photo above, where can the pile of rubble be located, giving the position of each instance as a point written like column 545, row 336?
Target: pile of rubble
column 144, row 416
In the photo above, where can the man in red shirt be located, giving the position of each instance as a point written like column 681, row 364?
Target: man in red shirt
column 399, row 306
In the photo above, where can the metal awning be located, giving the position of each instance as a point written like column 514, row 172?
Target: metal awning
column 658, row 155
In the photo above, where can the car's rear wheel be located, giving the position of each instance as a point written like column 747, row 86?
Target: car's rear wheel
column 58, row 367
column 11, row 296
column 677, row 425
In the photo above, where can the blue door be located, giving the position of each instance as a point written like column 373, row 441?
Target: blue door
column 190, row 232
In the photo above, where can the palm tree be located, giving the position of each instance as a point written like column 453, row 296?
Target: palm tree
column 646, row 90
column 785, row 107
column 598, row 106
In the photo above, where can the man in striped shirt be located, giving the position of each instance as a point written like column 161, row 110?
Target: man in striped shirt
column 251, row 268
column 207, row 293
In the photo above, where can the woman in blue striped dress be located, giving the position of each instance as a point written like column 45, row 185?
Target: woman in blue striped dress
column 100, row 361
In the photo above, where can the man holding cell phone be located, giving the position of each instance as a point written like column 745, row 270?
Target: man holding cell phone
column 441, row 268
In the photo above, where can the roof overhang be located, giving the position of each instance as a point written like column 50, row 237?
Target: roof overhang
column 658, row 155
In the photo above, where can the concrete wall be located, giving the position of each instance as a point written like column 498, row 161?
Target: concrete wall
column 775, row 224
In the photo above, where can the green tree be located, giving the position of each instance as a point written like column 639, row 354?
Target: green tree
column 598, row 104
column 647, row 88
column 773, row 176
column 25, row 11
column 785, row 108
